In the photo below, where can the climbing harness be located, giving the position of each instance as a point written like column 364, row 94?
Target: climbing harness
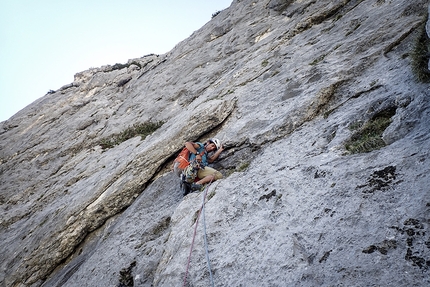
column 202, row 210
column 189, row 176
column 190, row 172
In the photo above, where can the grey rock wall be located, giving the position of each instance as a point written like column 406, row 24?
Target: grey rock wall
column 284, row 84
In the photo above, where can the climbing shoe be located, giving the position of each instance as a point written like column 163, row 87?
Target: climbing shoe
column 186, row 188
column 196, row 187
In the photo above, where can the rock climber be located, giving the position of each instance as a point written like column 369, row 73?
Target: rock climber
column 201, row 152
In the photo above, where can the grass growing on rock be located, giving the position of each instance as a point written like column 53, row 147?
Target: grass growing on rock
column 142, row 130
column 210, row 195
column 243, row 166
column 368, row 136
column 420, row 55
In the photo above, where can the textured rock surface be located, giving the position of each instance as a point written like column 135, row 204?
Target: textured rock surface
column 283, row 83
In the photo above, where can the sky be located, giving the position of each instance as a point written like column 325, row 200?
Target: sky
column 44, row 43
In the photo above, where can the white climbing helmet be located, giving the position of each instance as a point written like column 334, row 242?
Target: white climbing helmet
column 216, row 141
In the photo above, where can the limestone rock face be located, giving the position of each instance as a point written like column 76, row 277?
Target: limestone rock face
column 326, row 163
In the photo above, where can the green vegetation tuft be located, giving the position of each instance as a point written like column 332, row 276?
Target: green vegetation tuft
column 420, row 55
column 195, row 216
column 355, row 125
column 368, row 136
column 142, row 130
column 210, row 195
column 243, row 166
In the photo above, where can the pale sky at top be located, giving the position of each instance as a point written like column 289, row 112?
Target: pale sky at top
column 44, row 43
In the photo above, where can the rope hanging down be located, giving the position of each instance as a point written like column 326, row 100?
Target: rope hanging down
column 206, row 240
column 202, row 209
